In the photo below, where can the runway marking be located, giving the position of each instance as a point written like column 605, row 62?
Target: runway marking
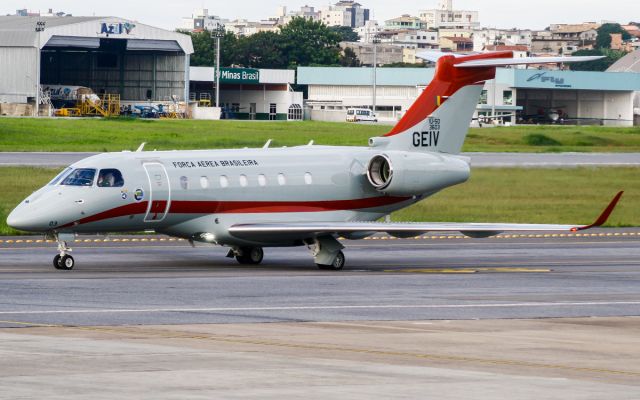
column 301, row 308
column 422, row 237
column 466, row 270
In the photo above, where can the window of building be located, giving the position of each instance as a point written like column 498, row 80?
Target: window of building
column 272, row 112
column 262, row 180
column 507, row 97
column 243, row 180
column 110, row 178
column 224, row 181
column 204, row 182
column 308, row 179
column 281, row 179
column 295, row 112
column 483, row 97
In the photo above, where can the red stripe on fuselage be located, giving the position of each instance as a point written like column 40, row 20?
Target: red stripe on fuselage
column 244, row 207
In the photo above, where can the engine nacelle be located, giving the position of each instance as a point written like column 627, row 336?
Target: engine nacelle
column 401, row 173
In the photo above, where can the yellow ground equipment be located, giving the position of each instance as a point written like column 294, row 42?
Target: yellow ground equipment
column 105, row 105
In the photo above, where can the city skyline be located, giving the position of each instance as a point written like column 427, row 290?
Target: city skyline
column 493, row 13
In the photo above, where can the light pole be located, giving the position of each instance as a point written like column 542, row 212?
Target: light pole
column 39, row 29
column 218, row 34
column 376, row 40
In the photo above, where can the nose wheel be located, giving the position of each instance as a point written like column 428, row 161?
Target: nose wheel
column 63, row 260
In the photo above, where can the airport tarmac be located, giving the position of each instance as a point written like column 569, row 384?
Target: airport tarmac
column 495, row 160
column 518, row 316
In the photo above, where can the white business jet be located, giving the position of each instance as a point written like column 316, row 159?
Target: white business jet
column 248, row 199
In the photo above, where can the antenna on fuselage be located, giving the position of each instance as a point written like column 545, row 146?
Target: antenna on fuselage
column 310, row 143
column 139, row 150
column 266, row 145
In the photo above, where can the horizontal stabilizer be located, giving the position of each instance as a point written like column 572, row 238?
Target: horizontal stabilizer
column 503, row 62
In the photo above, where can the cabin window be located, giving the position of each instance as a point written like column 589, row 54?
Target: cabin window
column 204, row 182
column 224, row 181
column 308, row 179
column 60, row 176
column 244, row 181
column 80, row 177
column 262, row 180
column 184, row 182
column 110, row 178
column 281, row 179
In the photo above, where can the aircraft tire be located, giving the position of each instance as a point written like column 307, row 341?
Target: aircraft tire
column 67, row 262
column 251, row 255
column 337, row 265
column 56, row 261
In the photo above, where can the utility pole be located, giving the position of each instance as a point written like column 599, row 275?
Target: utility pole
column 218, row 34
column 40, row 25
column 376, row 40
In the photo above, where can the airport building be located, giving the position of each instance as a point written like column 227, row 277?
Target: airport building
column 109, row 55
column 246, row 93
column 519, row 95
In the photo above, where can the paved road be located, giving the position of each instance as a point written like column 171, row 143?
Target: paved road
column 542, row 160
column 152, row 318
column 427, row 279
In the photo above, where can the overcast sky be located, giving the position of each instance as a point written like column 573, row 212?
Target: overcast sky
column 535, row 14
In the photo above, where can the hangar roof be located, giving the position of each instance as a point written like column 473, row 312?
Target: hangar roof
column 628, row 63
column 18, row 31
column 517, row 78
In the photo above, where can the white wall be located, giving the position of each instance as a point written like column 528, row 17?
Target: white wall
column 618, row 107
column 18, row 74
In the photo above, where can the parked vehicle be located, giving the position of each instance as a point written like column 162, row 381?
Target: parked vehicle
column 361, row 114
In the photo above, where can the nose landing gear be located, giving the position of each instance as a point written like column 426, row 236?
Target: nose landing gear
column 63, row 260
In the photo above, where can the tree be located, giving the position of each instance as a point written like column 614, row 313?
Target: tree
column 307, row 42
column 603, row 40
column 204, row 49
column 261, row 50
column 597, row 65
column 348, row 58
column 346, row 33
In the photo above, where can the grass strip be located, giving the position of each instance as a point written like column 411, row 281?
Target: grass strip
column 99, row 135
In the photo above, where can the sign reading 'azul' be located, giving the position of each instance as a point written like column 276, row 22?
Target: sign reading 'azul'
column 116, row 28
column 239, row 75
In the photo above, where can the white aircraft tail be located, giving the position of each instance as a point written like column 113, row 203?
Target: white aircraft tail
column 439, row 119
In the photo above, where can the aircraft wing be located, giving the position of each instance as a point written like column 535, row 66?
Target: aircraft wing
column 265, row 231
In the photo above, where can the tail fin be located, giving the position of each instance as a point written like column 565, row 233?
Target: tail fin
column 439, row 119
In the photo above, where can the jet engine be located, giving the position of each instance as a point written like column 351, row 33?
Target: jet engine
column 400, row 173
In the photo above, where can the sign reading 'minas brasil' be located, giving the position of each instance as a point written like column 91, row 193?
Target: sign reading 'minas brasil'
column 239, row 75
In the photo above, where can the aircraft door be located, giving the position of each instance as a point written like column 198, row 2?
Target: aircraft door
column 159, row 192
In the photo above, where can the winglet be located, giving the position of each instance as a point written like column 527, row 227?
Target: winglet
column 603, row 217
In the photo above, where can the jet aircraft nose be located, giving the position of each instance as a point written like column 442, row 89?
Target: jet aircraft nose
column 24, row 218
column 18, row 219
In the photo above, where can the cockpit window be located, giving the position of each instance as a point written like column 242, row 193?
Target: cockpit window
column 60, row 176
column 110, row 178
column 80, row 177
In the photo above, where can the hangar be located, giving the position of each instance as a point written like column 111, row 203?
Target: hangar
column 248, row 93
column 531, row 95
column 110, row 55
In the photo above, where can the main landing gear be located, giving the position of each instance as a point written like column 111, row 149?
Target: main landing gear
column 247, row 255
column 327, row 253
column 63, row 260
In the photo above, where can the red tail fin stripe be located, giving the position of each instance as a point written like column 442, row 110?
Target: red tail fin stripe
column 446, row 81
